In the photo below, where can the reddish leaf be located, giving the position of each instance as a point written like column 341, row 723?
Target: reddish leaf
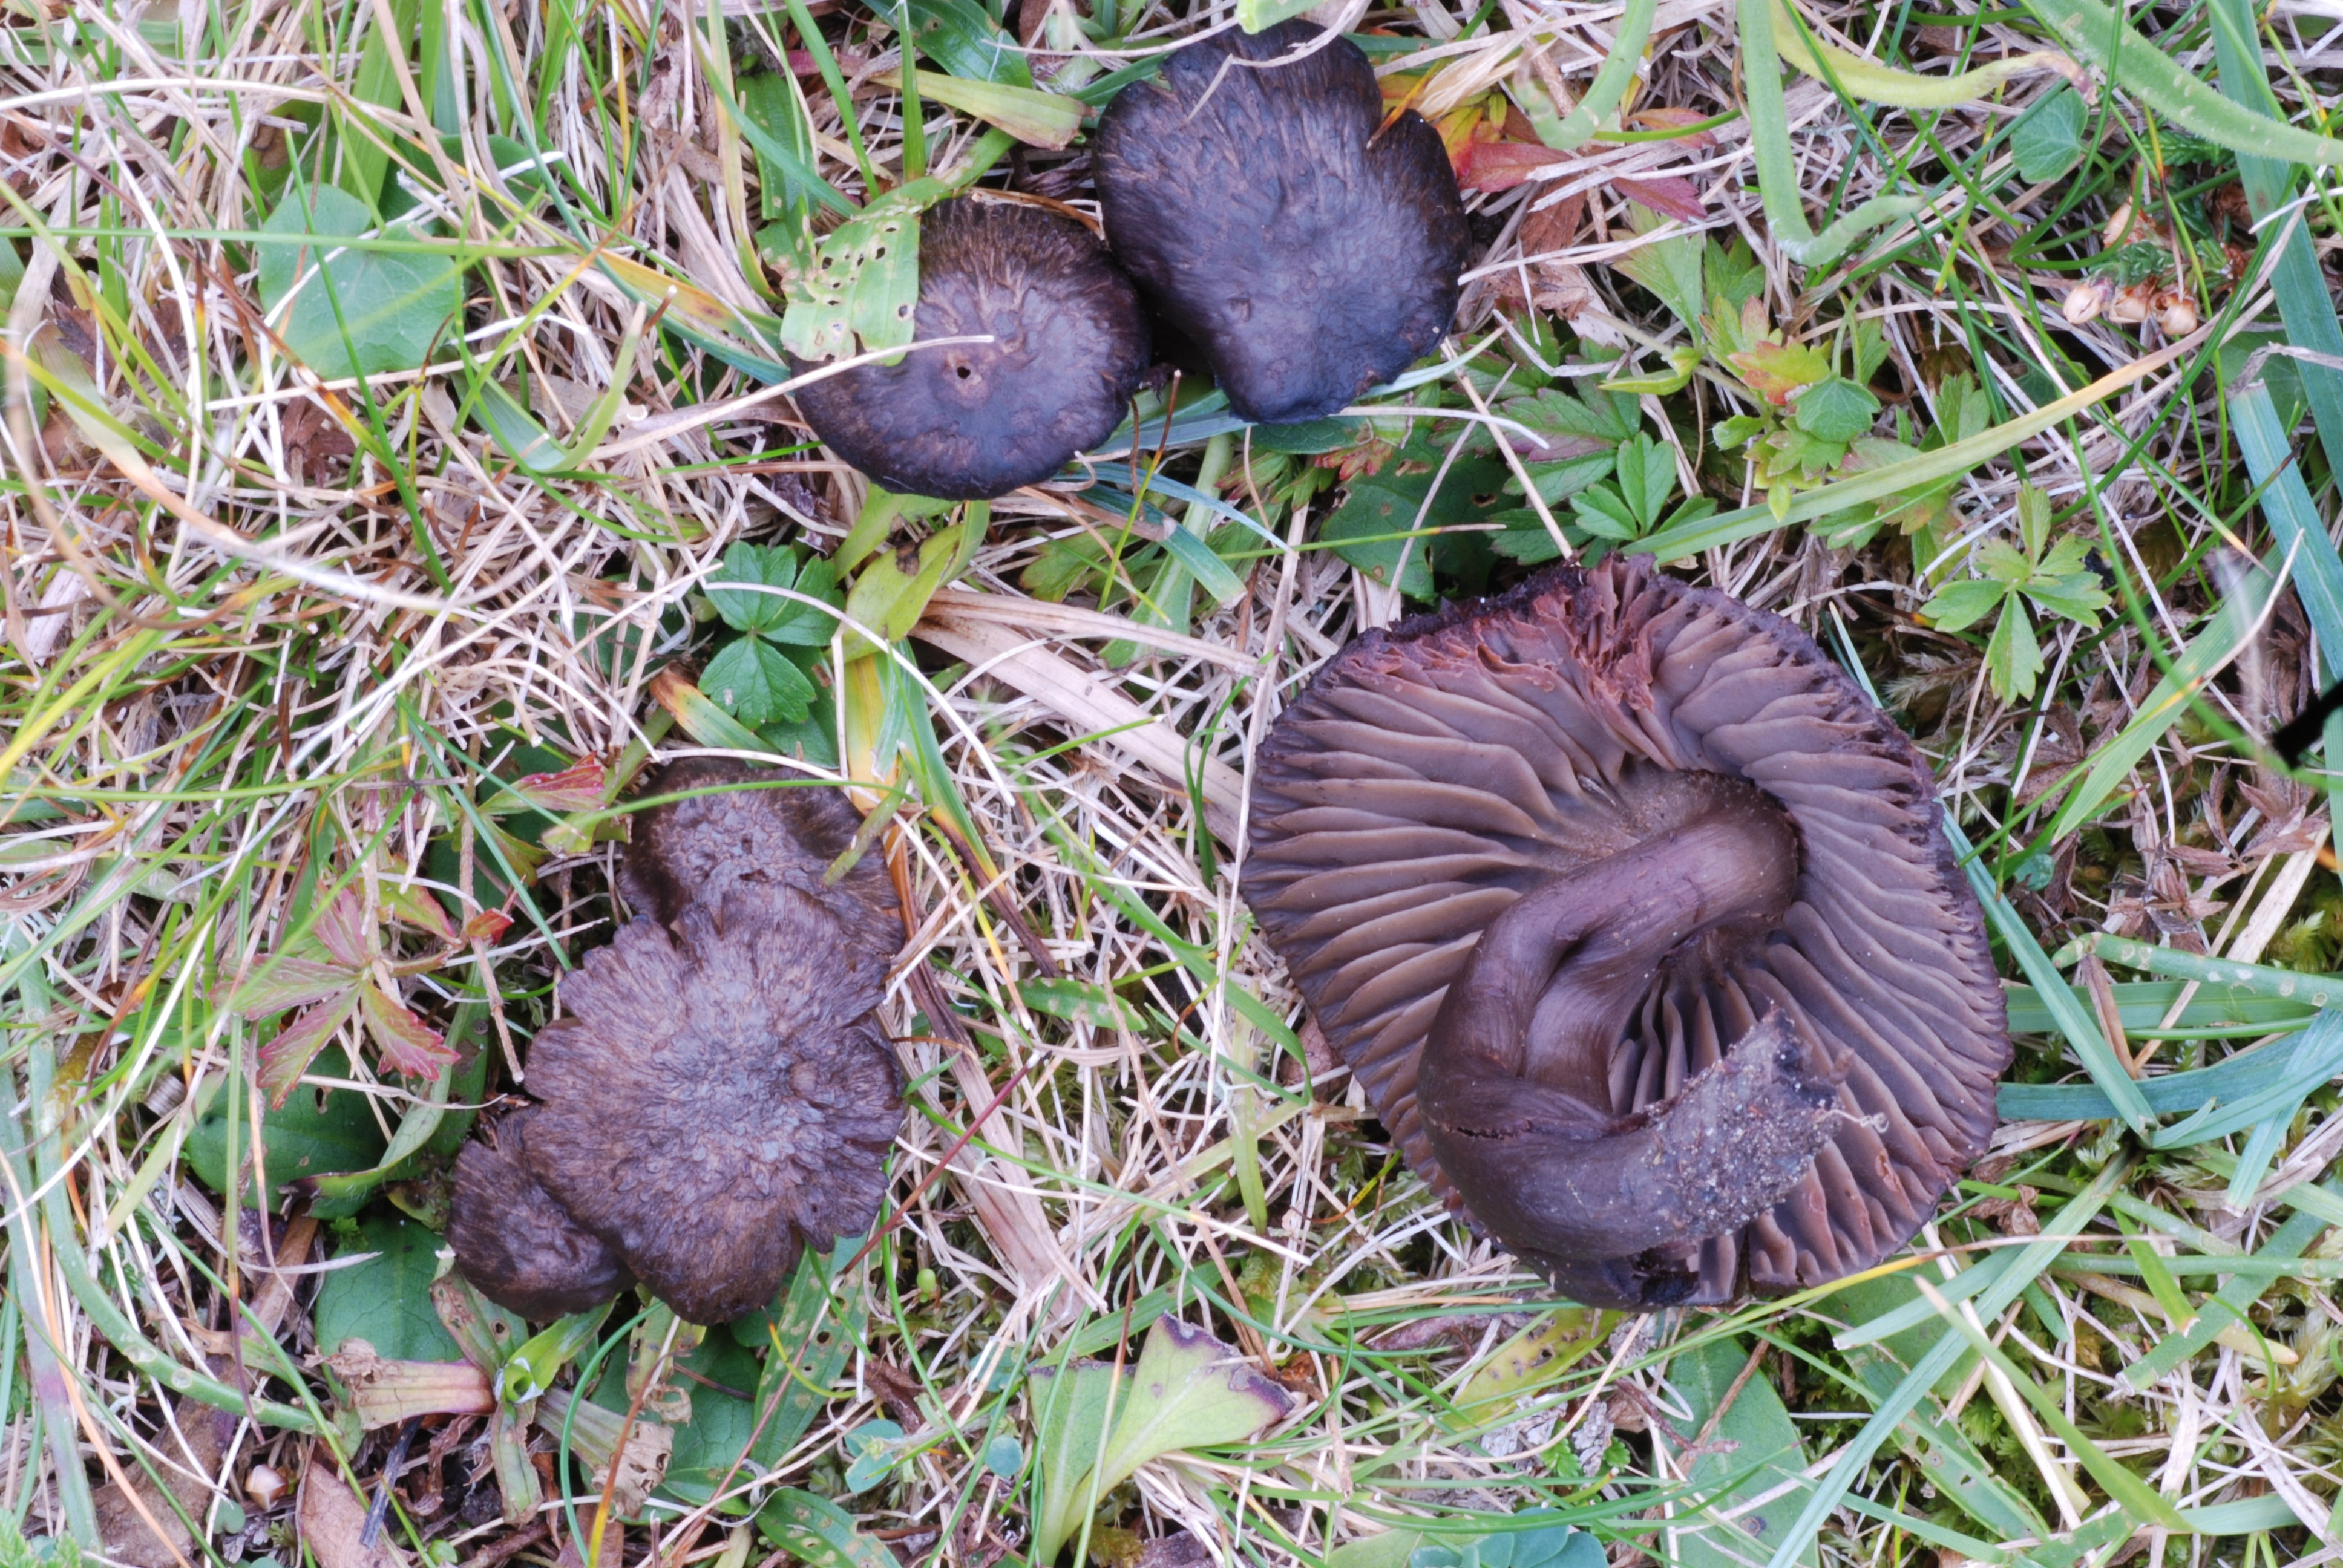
column 284, row 1058
column 408, row 1045
column 1671, row 195
column 1667, row 119
column 342, row 927
column 577, row 788
column 416, row 907
column 1778, row 372
column 1502, row 165
column 281, row 983
column 488, row 926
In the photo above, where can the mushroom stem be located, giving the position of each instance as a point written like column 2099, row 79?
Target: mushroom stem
column 1512, row 1075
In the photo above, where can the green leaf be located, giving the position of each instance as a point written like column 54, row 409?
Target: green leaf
column 1085, row 1001
column 1189, row 1390
column 1070, row 1405
column 2013, row 659
column 1605, row 514
column 1647, row 478
column 819, row 1532
column 1671, row 268
column 756, row 683
column 2047, row 139
column 387, row 1300
column 1835, row 410
column 1031, row 115
column 302, row 1138
column 876, row 1446
column 1004, row 1456
column 766, row 566
column 1958, row 605
column 344, row 309
column 1778, row 372
column 1376, row 529
column 1757, row 1450
column 514, row 429
column 864, row 283
column 1543, row 1353
column 963, row 38
column 1734, row 275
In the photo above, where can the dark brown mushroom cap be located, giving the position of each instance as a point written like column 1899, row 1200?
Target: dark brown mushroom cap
column 1309, row 256
column 720, row 1096
column 1635, row 920
column 758, row 829
column 516, row 1243
column 974, row 421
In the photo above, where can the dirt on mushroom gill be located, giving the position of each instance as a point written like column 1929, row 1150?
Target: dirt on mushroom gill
column 1635, row 918
column 721, row 1094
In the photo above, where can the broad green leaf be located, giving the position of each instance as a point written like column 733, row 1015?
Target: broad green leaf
column 756, row 683
column 962, row 36
column 1085, row 1001
column 300, row 1140
column 342, row 308
column 806, row 1343
column 1542, row 1353
column 1671, row 268
column 1070, row 1406
column 1757, row 1450
column 1647, row 478
column 1957, row 606
column 1035, row 117
column 1188, row 1390
column 2013, row 656
column 781, row 132
column 862, row 290
column 1605, row 514
column 1835, row 410
column 2047, row 139
column 1779, row 372
column 1376, row 527
column 819, row 1533
column 889, row 600
column 515, row 430
column 766, row 566
column 387, row 1300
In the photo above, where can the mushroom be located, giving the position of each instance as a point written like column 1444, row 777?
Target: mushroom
column 1311, row 250
column 977, row 420
column 720, row 1093
column 1634, row 919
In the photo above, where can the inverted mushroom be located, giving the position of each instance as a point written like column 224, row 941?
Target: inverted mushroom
column 1310, row 254
column 721, row 1094
column 972, row 421
column 1634, row 918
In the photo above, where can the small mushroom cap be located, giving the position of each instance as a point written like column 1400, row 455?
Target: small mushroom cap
column 1625, row 761
column 1309, row 256
column 516, row 1243
column 740, row 826
column 978, row 420
column 719, row 1095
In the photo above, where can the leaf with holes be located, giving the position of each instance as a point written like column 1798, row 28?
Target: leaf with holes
column 864, row 284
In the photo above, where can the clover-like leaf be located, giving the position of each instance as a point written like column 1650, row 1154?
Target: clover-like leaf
column 759, row 566
column 756, row 683
column 1835, row 410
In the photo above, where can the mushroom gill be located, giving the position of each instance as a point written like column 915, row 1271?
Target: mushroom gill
column 1309, row 249
column 719, row 1094
column 1633, row 916
column 976, row 421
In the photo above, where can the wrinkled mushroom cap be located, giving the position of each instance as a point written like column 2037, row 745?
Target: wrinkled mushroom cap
column 739, row 826
column 1310, row 257
column 516, row 1243
column 1625, row 763
column 719, row 1095
column 973, row 421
